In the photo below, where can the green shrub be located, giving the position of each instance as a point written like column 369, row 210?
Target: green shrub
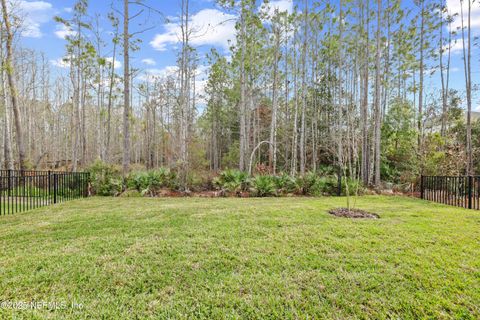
column 200, row 181
column 146, row 181
column 327, row 185
column 138, row 180
column 309, row 184
column 286, row 184
column 232, row 180
column 313, row 184
column 264, row 186
column 105, row 179
column 163, row 178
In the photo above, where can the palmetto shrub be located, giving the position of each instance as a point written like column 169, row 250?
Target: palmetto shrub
column 286, row 184
column 313, row 184
column 309, row 184
column 147, row 181
column 138, row 180
column 232, row 180
column 264, row 186
column 105, row 179
column 163, row 178
column 354, row 187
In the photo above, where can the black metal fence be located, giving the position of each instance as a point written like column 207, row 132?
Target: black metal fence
column 26, row 190
column 461, row 191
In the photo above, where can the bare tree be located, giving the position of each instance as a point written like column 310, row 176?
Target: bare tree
column 273, row 123
column 126, row 90
column 13, row 87
column 378, row 110
column 467, row 57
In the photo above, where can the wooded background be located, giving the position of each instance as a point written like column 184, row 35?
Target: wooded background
column 333, row 84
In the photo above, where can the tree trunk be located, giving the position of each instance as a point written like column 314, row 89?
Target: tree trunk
column 378, row 110
column 110, row 99
column 304, row 93
column 273, row 123
column 7, row 147
column 468, row 85
column 126, row 92
column 364, row 109
column 242, row 103
column 13, row 88
column 420, row 85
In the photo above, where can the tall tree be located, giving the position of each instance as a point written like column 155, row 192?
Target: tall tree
column 378, row 110
column 421, row 74
column 7, row 147
column 467, row 67
column 126, row 90
column 242, row 103
column 10, row 71
column 273, row 123
column 365, row 164
column 304, row 90
column 111, row 84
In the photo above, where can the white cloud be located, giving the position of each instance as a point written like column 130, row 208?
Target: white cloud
column 209, row 26
column 154, row 73
column 117, row 63
column 68, row 10
column 280, row 5
column 60, row 63
column 455, row 47
column 149, row 62
column 63, row 31
column 454, row 7
column 34, row 14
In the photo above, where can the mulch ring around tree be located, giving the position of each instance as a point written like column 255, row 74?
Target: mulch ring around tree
column 353, row 213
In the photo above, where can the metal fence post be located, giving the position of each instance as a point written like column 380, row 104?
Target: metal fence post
column 55, row 186
column 421, row 187
column 49, row 183
column 470, row 186
column 9, row 182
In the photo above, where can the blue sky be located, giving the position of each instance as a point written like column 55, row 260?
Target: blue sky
column 157, row 55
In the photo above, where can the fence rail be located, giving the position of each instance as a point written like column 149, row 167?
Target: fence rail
column 26, row 190
column 460, row 191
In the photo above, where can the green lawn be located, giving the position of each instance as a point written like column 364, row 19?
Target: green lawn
column 137, row 258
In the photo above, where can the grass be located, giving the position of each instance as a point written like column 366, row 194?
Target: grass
column 241, row 258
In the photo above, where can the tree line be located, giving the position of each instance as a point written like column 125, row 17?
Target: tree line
column 329, row 84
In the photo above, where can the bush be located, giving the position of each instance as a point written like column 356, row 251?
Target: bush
column 105, row 179
column 200, row 181
column 327, row 185
column 286, row 184
column 232, row 180
column 264, row 186
column 163, row 178
column 147, row 181
column 353, row 184
column 313, row 184
column 138, row 181
column 309, row 184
